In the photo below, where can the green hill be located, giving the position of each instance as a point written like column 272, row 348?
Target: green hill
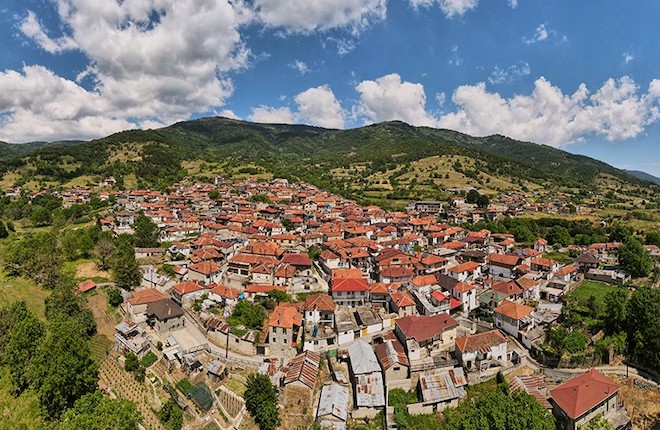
column 390, row 160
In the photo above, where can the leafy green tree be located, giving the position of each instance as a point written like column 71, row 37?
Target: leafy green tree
column 146, row 231
column 10, row 315
column 131, row 363
column 214, row 194
column 64, row 304
column 114, row 296
column 616, row 309
column 472, row 196
column 558, row 234
column 620, row 232
column 125, row 269
column 94, row 411
column 652, row 238
column 482, row 201
column 62, row 371
column 76, row 244
column 171, row 415
column 25, row 337
column 634, row 258
column 287, row 224
column 35, row 256
column 261, row 400
column 643, row 326
column 575, row 342
column 250, row 315
column 497, row 410
column 40, row 216
column 4, row 232
column 103, row 251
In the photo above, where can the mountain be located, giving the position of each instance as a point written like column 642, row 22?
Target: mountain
column 390, row 160
column 643, row 176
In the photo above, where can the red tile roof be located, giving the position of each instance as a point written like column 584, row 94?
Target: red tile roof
column 480, row 342
column 469, row 266
column 349, row 284
column 285, row 316
column 422, row 328
column 205, row 267
column 87, row 285
column 148, row 295
column 321, row 302
column 576, row 396
column 187, row 287
column 513, row 310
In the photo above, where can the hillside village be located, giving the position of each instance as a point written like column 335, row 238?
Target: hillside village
column 356, row 302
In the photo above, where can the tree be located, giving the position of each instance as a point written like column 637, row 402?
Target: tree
column 597, row 423
column 25, row 337
column 261, row 400
column 64, row 304
column 4, row 233
column 62, row 371
column 94, row 411
column 558, row 234
column 114, row 296
column 248, row 314
column 472, row 196
column 171, row 415
column 620, row 232
column 40, row 216
column 616, row 307
column 652, row 238
column 643, row 326
column 131, row 363
column 497, row 410
column 287, row 224
column 125, row 269
column 482, row 201
column 35, row 256
column 214, row 194
column 147, row 233
column 76, row 244
column 103, row 251
column 634, row 258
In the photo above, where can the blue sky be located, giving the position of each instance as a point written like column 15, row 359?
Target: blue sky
column 580, row 75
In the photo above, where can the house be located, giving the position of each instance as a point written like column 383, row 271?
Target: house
column 283, row 328
column 480, row 351
column 466, row 294
column 345, row 325
column 186, row 292
column 434, row 333
column 129, row 337
column 206, row 272
column 393, row 360
column 441, row 389
column 540, row 245
column 402, row 303
column 349, row 291
column 465, row 271
column 87, row 285
column 332, row 412
column 502, row 265
column 136, row 306
column 530, row 287
column 366, row 377
column 320, row 309
column 222, row 293
column 513, row 318
column 578, row 400
column 165, row 316
column 303, row 370
column 541, row 264
column 586, row 261
column 511, row 290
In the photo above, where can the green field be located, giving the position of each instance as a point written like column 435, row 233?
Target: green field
column 18, row 412
column 17, row 289
column 590, row 288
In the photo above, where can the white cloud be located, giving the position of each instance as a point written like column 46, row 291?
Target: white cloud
column 305, row 16
column 454, row 59
column 441, row 98
column 539, row 35
column 513, row 4
column 509, row 74
column 144, row 68
column 388, row 98
column 344, row 46
column 319, row 106
column 316, row 106
column 39, row 105
column 300, row 67
column 628, row 57
column 271, row 115
column 451, row 8
column 616, row 111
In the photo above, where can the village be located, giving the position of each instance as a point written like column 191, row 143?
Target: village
column 356, row 302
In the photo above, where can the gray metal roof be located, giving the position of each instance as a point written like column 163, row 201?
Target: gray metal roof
column 363, row 359
column 334, row 401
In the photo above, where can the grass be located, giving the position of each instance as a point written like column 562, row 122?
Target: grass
column 400, row 399
column 236, row 386
column 20, row 412
column 478, row 390
column 590, row 288
column 149, row 359
column 561, row 257
column 184, row 386
column 17, row 289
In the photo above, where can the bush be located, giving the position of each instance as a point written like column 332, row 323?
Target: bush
column 114, row 297
column 131, row 364
column 575, row 342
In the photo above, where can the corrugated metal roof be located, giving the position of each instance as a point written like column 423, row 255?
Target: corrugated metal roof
column 334, row 401
column 369, row 390
column 363, row 359
column 304, row 368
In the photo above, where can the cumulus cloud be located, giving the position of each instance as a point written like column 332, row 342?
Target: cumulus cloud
column 451, row 8
column 513, row 4
column 509, row 74
column 162, row 59
column 539, row 35
column 316, row 106
column 389, row 98
column 616, row 111
column 305, row 16
column 271, row 115
column 319, row 106
column 38, row 104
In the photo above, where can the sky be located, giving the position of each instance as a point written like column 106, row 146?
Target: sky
column 583, row 76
